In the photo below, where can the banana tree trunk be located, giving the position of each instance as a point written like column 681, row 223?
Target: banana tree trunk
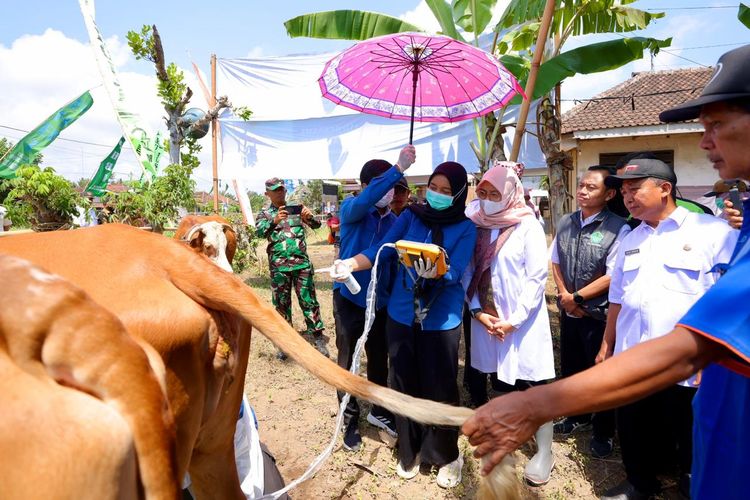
column 496, row 142
column 557, row 164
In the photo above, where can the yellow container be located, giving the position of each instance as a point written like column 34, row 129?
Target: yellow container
column 410, row 251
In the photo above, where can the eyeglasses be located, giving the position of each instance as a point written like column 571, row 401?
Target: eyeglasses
column 483, row 194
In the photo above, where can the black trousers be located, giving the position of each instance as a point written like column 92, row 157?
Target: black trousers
column 350, row 323
column 654, row 432
column 272, row 479
column 580, row 340
column 424, row 364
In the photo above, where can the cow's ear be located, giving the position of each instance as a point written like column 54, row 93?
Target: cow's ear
column 196, row 239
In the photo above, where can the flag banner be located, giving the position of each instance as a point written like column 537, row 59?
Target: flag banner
column 98, row 184
column 245, row 208
column 25, row 151
column 130, row 122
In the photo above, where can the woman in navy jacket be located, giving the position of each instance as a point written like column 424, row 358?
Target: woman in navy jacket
column 424, row 353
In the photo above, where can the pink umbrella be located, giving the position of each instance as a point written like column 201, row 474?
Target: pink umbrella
column 412, row 76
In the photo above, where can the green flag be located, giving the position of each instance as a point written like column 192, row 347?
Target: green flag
column 27, row 148
column 141, row 140
column 98, row 183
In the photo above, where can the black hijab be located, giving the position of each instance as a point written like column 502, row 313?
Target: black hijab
column 436, row 219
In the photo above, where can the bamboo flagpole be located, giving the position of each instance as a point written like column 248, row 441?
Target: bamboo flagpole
column 549, row 10
column 214, row 123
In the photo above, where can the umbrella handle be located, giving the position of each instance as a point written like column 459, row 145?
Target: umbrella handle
column 415, row 73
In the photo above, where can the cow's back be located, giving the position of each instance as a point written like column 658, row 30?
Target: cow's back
column 117, row 265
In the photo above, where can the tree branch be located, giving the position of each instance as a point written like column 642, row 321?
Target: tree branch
column 161, row 70
column 185, row 100
column 221, row 103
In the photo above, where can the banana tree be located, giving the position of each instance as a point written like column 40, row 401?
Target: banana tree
column 744, row 15
column 571, row 18
column 462, row 19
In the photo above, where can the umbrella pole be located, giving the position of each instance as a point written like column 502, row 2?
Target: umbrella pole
column 549, row 10
column 415, row 73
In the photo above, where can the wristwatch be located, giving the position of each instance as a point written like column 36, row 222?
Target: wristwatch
column 475, row 312
column 577, row 298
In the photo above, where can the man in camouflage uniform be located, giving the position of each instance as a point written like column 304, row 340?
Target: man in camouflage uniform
column 288, row 260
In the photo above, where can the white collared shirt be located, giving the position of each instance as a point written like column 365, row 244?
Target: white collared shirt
column 661, row 272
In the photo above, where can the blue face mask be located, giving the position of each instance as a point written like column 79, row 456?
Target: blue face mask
column 439, row 201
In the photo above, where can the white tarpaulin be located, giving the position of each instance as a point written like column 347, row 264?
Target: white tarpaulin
column 294, row 133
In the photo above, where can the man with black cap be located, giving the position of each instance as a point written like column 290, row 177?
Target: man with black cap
column 364, row 220
column 713, row 337
column 288, row 261
column 400, row 196
column 662, row 268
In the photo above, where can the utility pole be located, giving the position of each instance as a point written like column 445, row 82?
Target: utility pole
column 214, row 123
column 549, row 10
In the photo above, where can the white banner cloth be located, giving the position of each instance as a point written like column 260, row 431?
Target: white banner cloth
column 294, row 133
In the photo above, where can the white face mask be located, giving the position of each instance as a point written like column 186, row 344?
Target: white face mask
column 385, row 200
column 491, row 207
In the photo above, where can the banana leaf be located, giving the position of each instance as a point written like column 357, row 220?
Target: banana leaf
column 583, row 17
column 744, row 15
column 346, row 25
column 593, row 58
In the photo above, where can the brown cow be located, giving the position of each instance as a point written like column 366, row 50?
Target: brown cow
column 211, row 235
column 58, row 349
column 183, row 306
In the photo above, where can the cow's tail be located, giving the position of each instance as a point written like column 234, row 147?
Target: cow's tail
column 225, row 292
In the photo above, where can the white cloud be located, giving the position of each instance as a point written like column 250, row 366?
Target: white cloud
column 43, row 72
column 256, row 51
column 423, row 17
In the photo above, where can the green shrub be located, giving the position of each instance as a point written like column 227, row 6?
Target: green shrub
column 248, row 246
column 43, row 198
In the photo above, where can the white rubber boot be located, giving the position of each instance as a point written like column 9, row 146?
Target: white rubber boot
column 539, row 468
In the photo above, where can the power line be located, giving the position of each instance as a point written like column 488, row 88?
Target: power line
column 631, row 98
column 695, row 8
column 671, row 54
column 710, row 46
column 685, row 58
column 60, row 138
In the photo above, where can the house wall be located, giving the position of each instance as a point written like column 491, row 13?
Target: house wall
column 691, row 165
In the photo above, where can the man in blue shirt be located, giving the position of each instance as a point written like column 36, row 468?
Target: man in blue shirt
column 714, row 336
column 364, row 220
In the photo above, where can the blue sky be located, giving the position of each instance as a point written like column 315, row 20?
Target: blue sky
column 45, row 60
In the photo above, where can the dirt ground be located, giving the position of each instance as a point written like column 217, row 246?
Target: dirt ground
column 296, row 415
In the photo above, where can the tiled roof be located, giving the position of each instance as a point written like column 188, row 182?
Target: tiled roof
column 204, row 198
column 637, row 101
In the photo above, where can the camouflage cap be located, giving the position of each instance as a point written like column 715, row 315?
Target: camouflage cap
column 274, row 183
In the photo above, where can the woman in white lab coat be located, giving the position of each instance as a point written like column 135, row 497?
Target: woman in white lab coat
column 510, row 331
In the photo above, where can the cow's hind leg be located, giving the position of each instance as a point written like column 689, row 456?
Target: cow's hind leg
column 214, row 475
column 213, row 469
